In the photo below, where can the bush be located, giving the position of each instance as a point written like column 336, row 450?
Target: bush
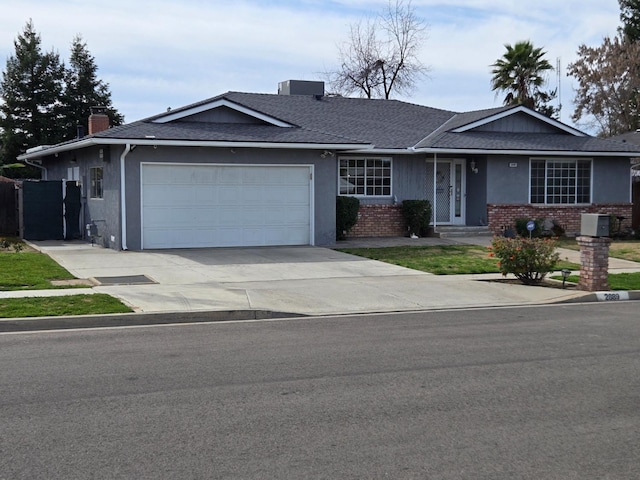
column 346, row 215
column 529, row 259
column 417, row 216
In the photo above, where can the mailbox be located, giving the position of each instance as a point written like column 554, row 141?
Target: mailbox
column 594, row 225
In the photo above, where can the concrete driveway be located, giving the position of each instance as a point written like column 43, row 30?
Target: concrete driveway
column 303, row 280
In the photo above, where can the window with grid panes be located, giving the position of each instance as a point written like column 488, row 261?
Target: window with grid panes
column 369, row 177
column 557, row 182
column 95, row 182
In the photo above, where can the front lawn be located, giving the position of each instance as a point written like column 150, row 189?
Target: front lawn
column 624, row 249
column 617, row 281
column 96, row 304
column 29, row 271
column 440, row 259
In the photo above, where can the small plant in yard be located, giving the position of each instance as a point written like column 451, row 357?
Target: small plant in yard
column 18, row 247
column 529, row 259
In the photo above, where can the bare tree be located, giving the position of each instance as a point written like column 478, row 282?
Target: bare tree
column 380, row 56
column 608, row 93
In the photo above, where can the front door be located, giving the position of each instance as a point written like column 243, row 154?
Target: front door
column 450, row 191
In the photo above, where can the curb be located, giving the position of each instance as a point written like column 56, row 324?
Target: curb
column 32, row 324
column 607, row 296
column 29, row 324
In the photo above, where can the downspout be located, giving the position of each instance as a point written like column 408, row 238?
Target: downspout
column 44, row 170
column 123, row 199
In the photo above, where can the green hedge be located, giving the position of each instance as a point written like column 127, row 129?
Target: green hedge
column 417, row 216
column 346, row 215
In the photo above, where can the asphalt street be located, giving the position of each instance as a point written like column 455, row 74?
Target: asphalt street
column 549, row 392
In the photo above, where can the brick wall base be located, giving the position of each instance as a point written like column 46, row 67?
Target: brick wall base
column 594, row 263
column 379, row 221
column 504, row 216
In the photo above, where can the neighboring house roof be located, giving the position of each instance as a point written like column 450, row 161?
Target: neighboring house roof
column 349, row 124
column 7, row 179
column 630, row 137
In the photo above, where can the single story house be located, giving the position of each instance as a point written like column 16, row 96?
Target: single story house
column 249, row 169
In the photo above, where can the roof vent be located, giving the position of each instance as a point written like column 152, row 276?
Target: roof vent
column 301, row 87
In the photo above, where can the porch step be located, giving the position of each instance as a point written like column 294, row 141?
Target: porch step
column 449, row 231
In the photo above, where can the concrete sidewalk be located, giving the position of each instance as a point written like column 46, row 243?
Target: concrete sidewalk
column 296, row 280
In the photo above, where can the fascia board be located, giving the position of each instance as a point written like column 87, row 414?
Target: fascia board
column 506, row 113
column 170, row 117
column 371, row 150
column 540, row 153
column 186, row 143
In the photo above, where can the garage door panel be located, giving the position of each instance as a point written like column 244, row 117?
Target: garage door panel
column 213, row 205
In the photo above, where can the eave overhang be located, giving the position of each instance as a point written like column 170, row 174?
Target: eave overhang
column 96, row 141
column 530, row 153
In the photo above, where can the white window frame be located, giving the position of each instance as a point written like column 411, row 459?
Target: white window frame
column 546, row 193
column 366, row 159
column 96, row 186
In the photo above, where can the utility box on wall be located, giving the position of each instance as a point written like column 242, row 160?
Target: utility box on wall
column 594, row 225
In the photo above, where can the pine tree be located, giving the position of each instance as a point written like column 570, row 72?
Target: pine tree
column 84, row 90
column 630, row 17
column 31, row 90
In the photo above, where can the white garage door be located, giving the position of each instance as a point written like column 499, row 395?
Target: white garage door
column 185, row 206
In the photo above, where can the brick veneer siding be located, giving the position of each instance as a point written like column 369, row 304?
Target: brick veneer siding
column 379, row 221
column 504, row 216
column 594, row 263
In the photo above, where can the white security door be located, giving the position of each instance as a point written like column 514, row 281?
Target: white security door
column 187, row 206
column 450, row 191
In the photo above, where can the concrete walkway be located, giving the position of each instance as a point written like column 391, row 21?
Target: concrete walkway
column 297, row 280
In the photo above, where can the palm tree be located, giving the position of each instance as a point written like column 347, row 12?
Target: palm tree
column 521, row 72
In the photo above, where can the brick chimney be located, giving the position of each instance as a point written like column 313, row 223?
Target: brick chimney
column 98, row 120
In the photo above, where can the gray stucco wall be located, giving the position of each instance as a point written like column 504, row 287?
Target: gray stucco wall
column 611, row 180
column 325, row 185
column 476, row 201
column 510, row 185
column 507, row 184
column 103, row 212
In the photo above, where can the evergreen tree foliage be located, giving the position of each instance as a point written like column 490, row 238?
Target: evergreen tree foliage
column 522, row 72
column 31, row 91
column 83, row 90
column 42, row 102
column 630, row 18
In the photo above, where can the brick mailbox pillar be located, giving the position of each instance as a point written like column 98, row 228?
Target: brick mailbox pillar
column 594, row 263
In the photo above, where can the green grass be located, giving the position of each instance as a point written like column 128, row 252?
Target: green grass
column 29, row 271
column 439, row 260
column 617, row 281
column 624, row 249
column 96, row 304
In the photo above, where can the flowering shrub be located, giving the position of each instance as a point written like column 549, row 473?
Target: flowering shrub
column 529, row 259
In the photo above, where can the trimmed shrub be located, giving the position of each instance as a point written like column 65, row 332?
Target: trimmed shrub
column 346, row 215
column 417, row 216
column 529, row 259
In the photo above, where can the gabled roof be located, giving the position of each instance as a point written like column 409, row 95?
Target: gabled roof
column 349, row 125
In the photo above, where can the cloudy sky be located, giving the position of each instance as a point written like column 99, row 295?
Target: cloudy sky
column 169, row 53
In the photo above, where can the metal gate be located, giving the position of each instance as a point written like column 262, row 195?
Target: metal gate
column 8, row 209
column 49, row 210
